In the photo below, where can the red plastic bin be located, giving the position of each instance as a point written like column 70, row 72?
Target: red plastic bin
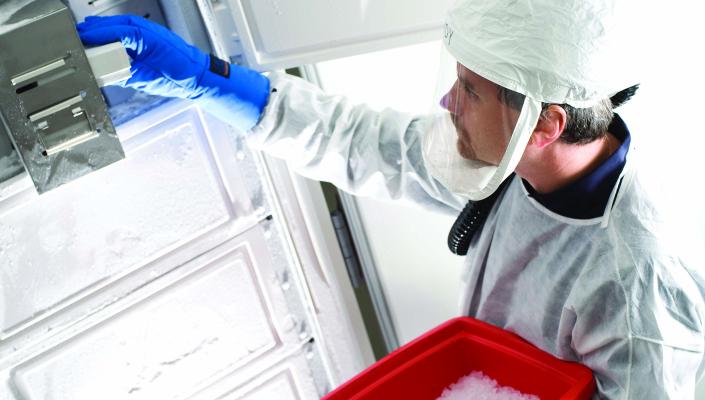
column 424, row 367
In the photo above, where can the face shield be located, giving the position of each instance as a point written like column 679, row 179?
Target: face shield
column 479, row 132
column 586, row 56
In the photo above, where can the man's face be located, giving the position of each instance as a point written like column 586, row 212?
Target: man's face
column 482, row 122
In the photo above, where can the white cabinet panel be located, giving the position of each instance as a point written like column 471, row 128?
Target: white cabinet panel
column 215, row 319
column 282, row 386
column 224, row 317
column 286, row 381
column 224, row 322
column 278, row 34
column 164, row 194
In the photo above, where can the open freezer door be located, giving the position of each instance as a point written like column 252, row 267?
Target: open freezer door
column 190, row 269
column 275, row 34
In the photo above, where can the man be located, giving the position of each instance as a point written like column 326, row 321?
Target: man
column 574, row 256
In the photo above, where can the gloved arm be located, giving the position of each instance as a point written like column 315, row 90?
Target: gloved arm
column 369, row 153
column 362, row 151
column 164, row 64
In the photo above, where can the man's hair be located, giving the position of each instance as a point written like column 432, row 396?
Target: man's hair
column 583, row 125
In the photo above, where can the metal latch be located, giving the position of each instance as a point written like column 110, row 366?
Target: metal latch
column 50, row 102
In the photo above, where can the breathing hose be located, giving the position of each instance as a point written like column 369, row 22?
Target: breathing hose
column 471, row 220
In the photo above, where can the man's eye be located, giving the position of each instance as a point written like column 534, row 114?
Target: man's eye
column 469, row 91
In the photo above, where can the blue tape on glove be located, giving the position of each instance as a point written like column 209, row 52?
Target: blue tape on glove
column 220, row 67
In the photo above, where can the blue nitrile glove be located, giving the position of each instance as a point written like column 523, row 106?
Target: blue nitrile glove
column 164, row 64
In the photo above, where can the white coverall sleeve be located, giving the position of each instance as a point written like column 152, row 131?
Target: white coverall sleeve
column 361, row 151
column 643, row 335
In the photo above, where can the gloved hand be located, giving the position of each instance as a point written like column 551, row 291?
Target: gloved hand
column 164, row 64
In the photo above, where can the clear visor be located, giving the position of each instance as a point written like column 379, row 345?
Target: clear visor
column 479, row 132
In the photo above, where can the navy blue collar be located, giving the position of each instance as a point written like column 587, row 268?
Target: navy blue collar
column 588, row 196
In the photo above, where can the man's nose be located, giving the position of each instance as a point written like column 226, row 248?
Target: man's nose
column 449, row 100
column 445, row 101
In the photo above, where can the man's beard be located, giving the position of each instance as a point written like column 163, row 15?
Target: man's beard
column 463, row 144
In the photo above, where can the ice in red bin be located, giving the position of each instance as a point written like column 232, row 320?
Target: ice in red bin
column 423, row 368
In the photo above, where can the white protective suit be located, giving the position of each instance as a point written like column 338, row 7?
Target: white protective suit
column 610, row 292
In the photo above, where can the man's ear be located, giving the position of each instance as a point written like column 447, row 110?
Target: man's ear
column 549, row 127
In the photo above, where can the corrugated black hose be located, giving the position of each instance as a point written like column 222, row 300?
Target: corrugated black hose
column 471, row 220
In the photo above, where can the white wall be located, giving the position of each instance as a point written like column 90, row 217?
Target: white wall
column 665, row 117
